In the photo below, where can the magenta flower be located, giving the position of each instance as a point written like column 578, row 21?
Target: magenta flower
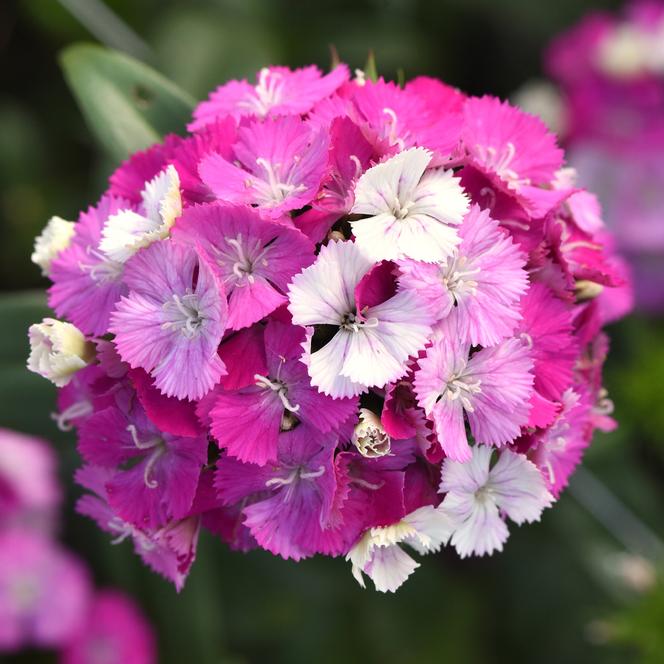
column 278, row 91
column 283, row 396
column 175, row 300
column 116, row 630
column 160, row 483
column 169, row 550
column 372, row 342
column 43, row 592
column 492, row 387
column 276, row 165
column 86, row 282
column 291, row 508
column 477, row 288
column 255, row 259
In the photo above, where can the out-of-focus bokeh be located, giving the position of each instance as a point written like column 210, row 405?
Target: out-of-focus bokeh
column 583, row 585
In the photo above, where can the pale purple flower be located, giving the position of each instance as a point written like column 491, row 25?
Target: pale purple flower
column 477, row 288
column 86, row 282
column 278, row 91
column 371, row 344
column 277, row 165
column 411, row 212
column 478, row 495
column 254, row 258
column 491, row 387
column 176, row 303
column 290, row 504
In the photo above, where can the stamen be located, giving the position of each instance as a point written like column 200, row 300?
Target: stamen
column 280, row 389
column 64, row 420
column 313, row 474
column 142, row 445
column 150, row 482
column 283, row 481
column 365, row 484
column 358, row 165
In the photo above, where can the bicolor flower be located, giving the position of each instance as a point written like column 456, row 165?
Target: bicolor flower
column 491, row 388
column 177, row 303
column 370, row 342
column 478, row 494
column 410, row 213
column 127, row 231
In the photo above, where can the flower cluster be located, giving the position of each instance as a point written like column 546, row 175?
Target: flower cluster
column 46, row 596
column 609, row 72
column 337, row 317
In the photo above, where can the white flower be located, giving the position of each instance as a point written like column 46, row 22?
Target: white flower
column 411, row 214
column 370, row 437
column 55, row 237
column 477, row 495
column 378, row 554
column 58, row 350
column 126, row 231
column 369, row 348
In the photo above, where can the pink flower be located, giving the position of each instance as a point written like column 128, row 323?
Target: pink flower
column 371, row 343
column 255, row 259
column 43, row 592
column 176, row 301
column 169, row 550
column 29, row 491
column 115, row 630
column 477, row 288
column 247, row 422
column 492, row 387
column 278, row 91
column 508, row 144
column 276, row 165
column 477, row 494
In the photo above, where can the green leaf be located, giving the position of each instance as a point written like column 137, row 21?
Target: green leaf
column 127, row 105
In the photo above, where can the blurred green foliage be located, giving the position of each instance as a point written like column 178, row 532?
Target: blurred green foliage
column 548, row 598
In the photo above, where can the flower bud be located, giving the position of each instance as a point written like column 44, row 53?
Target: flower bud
column 369, row 436
column 58, row 350
column 55, row 237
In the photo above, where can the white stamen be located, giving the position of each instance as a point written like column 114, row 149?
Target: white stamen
column 279, row 388
column 64, row 420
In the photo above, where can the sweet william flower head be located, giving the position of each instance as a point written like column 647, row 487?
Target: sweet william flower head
column 55, row 237
column 339, row 317
column 58, row 350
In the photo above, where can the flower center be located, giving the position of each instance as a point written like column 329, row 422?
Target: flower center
column 352, row 323
column 499, row 162
column 296, row 473
column 183, row 314
column 268, row 92
column 462, row 386
column 457, row 276
column 274, row 187
column 104, row 271
column 278, row 387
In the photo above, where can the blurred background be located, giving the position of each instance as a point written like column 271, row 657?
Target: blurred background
column 582, row 585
